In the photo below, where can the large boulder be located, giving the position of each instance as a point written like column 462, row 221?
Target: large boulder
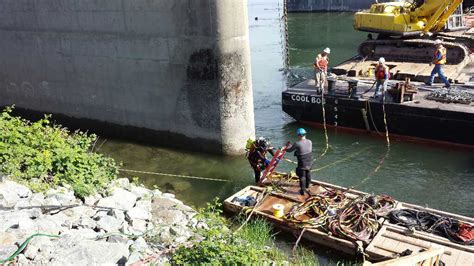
column 62, row 195
column 109, row 224
column 7, row 250
column 13, row 219
column 138, row 213
column 11, row 193
column 90, row 252
column 141, row 192
column 170, row 217
column 120, row 199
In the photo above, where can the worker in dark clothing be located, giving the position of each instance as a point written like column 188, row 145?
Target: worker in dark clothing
column 257, row 156
column 303, row 149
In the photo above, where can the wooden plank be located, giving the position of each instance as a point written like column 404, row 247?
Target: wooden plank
column 465, row 258
column 428, row 255
column 431, row 238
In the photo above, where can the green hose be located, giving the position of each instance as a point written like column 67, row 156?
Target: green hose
column 23, row 246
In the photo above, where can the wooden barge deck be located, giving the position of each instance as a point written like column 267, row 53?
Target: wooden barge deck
column 389, row 242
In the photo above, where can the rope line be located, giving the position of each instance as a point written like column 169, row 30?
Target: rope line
column 341, row 160
column 385, row 121
column 173, row 175
column 367, row 107
column 382, row 160
column 324, row 126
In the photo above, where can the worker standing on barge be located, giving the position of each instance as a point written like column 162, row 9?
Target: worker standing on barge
column 321, row 63
column 382, row 75
column 303, row 149
column 439, row 59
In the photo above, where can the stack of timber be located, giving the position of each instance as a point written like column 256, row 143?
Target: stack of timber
column 389, row 243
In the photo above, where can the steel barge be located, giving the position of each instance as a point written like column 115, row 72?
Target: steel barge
column 416, row 118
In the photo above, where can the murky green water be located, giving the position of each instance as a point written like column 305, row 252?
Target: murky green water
column 439, row 177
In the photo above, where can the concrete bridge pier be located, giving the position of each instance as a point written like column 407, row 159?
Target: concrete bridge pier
column 174, row 73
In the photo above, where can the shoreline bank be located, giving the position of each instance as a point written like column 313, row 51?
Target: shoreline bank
column 130, row 224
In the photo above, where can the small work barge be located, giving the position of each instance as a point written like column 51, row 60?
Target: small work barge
column 382, row 230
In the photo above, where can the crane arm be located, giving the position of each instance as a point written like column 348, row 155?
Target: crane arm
column 438, row 20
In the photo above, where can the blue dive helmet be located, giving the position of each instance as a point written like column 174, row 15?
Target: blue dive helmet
column 300, row 132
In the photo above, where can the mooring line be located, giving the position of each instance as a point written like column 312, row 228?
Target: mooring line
column 382, row 160
column 173, row 175
column 324, row 125
column 341, row 160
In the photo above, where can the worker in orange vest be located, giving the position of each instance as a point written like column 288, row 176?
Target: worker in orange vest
column 382, row 75
column 439, row 59
column 321, row 63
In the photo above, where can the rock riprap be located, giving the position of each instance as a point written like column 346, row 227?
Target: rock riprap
column 130, row 224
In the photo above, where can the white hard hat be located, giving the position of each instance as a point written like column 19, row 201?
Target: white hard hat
column 438, row 41
column 381, row 60
column 327, row 51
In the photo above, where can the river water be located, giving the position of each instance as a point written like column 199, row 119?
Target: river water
column 438, row 177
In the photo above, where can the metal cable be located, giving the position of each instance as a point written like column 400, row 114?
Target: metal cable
column 173, row 175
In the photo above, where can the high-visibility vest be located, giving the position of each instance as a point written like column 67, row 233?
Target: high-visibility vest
column 380, row 72
column 441, row 61
column 321, row 62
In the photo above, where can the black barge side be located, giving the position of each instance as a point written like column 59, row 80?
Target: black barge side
column 420, row 118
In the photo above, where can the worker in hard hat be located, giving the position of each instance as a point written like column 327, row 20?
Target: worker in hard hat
column 439, row 59
column 321, row 63
column 257, row 158
column 382, row 75
column 303, row 149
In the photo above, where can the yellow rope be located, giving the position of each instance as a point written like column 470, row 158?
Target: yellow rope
column 173, row 175
column 341, row 160
column 385, row 120
column 382, row 160
column 324, row 125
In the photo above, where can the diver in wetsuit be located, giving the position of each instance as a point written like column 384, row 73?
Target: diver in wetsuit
column 303, row 149
column 257, row 156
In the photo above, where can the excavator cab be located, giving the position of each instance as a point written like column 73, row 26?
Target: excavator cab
column 391, row 18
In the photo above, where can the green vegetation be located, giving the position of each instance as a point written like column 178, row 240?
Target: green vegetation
column 222, row 245
column 43, row 155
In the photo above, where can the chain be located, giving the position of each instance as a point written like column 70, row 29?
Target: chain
column 285, row 34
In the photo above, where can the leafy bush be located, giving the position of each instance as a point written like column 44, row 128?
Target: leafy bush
column 43, row 155
column 224, row 246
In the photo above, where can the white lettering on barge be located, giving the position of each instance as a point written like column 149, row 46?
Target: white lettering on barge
column 306, row 99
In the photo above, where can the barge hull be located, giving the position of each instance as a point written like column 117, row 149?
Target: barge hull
column 453, row 126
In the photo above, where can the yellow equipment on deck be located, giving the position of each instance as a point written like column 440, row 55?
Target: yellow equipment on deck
column 405, row 18
column 405, row 30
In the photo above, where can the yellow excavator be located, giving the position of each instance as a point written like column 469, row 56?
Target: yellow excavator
column 407, row 30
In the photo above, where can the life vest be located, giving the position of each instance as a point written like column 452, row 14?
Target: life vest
column 441, row 61
column 380, row 72
column 321, row 62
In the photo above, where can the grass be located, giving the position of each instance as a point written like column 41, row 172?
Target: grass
column 223, row 244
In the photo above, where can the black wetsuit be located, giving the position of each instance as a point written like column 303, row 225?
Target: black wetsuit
column 257, row 160
column 304, row 153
